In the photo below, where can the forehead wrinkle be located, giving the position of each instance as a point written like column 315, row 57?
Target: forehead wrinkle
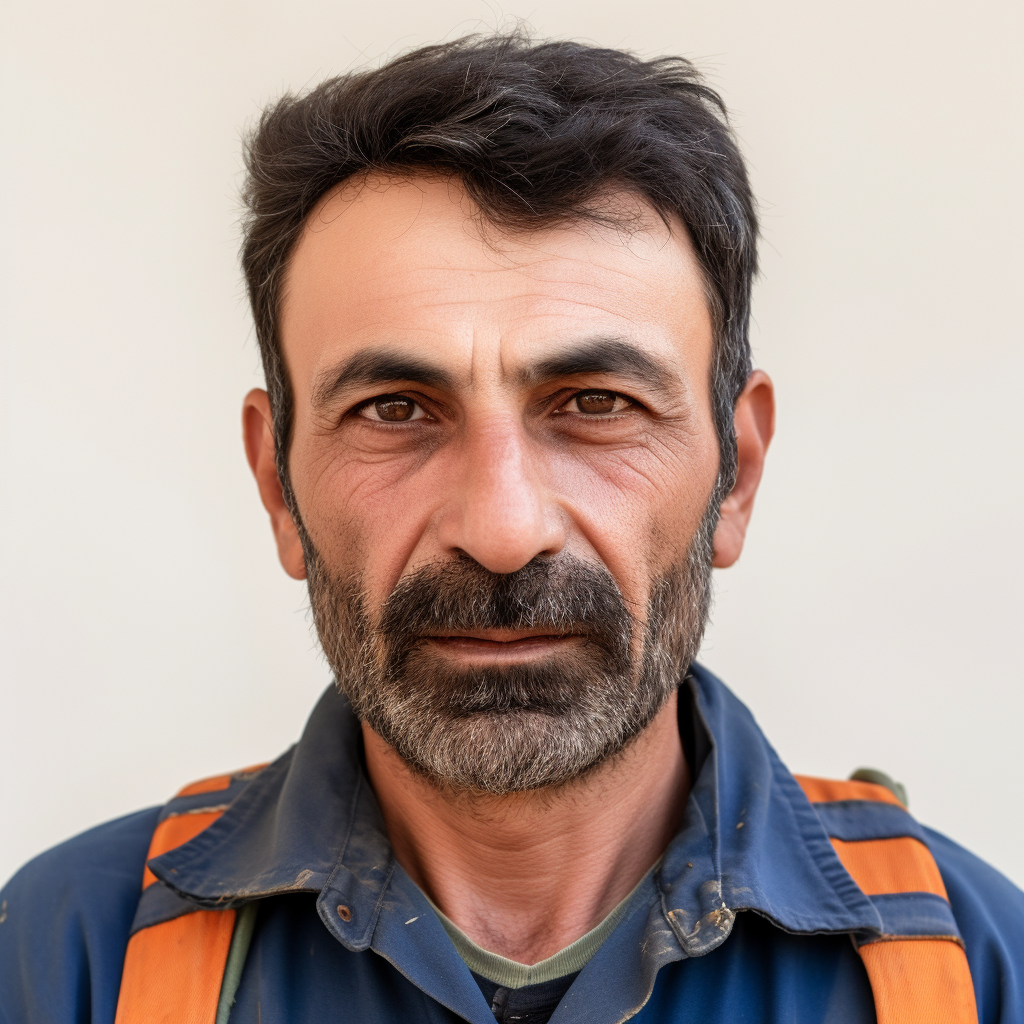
column 424, row 278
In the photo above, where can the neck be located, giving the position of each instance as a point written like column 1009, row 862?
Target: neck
column 527, row 874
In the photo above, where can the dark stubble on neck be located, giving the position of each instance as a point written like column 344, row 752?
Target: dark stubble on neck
column 511, row 728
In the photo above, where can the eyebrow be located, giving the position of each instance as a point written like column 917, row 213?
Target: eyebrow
column 604, row 355
column 371, row 367
column 374, row 367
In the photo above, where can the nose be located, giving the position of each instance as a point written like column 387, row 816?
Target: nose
column 499, row 511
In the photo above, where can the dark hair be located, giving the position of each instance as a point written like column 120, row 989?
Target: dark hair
column 535, row 132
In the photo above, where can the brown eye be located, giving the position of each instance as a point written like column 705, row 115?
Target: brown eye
column 598, row 401
column 392, row 409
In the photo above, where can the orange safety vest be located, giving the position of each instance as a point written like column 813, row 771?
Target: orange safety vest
column 174, row 971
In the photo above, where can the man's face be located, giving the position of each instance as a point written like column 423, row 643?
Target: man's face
column 489, row 427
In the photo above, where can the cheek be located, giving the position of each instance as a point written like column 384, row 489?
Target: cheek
column 364, row 511
column 639, row 506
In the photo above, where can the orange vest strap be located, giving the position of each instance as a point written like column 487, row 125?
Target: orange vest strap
column 920, row 981
column 173, row 970
column 820, row 791
column 914, row 979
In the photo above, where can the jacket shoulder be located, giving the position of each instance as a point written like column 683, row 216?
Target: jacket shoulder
column 989, row 910
column 64, row 924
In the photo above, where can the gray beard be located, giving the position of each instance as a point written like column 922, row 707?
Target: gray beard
column 506, row 729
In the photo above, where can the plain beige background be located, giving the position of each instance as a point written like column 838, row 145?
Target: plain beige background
column 149, row 636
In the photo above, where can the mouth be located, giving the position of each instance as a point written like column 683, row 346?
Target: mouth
column 500, row 645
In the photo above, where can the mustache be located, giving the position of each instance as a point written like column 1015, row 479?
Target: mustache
column 563, row 595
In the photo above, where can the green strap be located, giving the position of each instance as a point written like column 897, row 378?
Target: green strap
column 240, row 939
column 897, row 789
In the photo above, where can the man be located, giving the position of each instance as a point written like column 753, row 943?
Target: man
column 501, row 292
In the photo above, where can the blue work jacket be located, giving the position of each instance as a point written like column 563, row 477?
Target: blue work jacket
column 748, row 923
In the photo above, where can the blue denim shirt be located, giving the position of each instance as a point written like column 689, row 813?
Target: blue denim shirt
column 738, row 923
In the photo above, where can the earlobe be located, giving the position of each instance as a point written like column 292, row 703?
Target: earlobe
column 258, row 435
column 755, row 424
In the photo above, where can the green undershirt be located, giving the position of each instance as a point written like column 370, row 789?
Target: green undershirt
column 512, row 974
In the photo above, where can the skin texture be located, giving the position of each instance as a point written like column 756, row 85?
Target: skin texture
column 489, row 338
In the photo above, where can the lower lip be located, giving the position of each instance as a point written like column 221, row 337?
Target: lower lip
column 476, row 649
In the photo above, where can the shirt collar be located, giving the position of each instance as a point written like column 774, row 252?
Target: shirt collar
column 750, row 839
column 309, row 822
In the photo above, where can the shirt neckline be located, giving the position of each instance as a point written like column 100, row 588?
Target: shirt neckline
column 513, row 974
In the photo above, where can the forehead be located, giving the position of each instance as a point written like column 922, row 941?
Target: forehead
column 411, row 263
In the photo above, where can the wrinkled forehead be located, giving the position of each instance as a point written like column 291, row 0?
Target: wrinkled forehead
column 412, row 262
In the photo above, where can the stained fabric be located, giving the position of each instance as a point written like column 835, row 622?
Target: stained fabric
column 749, row 916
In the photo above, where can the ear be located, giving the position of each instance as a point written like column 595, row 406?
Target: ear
column 755, row 424
column 258, row 433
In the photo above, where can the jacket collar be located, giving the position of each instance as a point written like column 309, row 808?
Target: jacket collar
column 753, row 838
column 750, row 840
